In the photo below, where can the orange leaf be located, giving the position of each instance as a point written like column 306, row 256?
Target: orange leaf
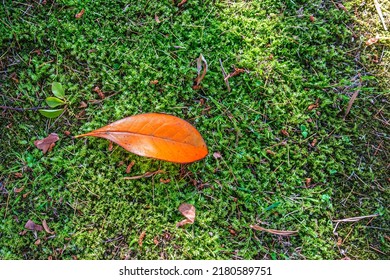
column 157, row 136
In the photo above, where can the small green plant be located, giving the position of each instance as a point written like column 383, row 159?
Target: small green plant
column 54, row 101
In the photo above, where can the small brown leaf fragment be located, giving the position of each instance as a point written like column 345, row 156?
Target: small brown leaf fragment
column 201, row 63
column 80, row 14
column 237, row 71
column 339, row 241
column 14, row 77
column 47, row 143
column 274, row 231
column 18, row 175
column 83, row 104
column 372, row 41
column 284, row 132
column 312, row 106
column 141, row 238
column 157, row 19
column 26, row 194
column 188, row 211
column 271, row 152
column 342, row 7
column 314, row 142
column 312, row 18
column 155, row 240
column 74, row 257
column 67, row 132
column 32, row 226
column 110, row 146
column 307, row 182
column 23, row 232
column 130, row 166
column 217, row 155
column 37, row 242
column 165, row 181
column 99, row 92
column 154, row 82
column 182, row 3
column 18, row 190
column 232, row 231
column 50, row 258
column 46, row 227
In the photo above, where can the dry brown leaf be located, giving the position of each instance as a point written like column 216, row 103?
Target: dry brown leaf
column 18, row 175
column 270, row 152
column 284, row 132
column 155, row 240
column 141, row 238
column 236, row 72
column 312, row 18
column 26, row 194
column 37, row 242
column 157, row 19
column 47, row 143
column 79, row 15
column 99, row 92
column 312, row 106
column 32, row 226
column 274, row 231
column 182, row 3
column 314, row 142
column 110, row 146
column 350, row 103
column 307, row 182
column 201, row 63
column 130, row 166
column 83, row 105
column 188, row 211
column 154, row 82
column 372, row 41
column 166, row 181
column 46, row 227
column 18, row 190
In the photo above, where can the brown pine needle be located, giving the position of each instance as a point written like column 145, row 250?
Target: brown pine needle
column 275, row 231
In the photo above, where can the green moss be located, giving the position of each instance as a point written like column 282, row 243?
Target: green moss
column 292, row 62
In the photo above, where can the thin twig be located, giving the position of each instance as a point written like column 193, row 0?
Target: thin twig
column 146, row 175
column 21, row 109
column 224, row 75
column 355, row 219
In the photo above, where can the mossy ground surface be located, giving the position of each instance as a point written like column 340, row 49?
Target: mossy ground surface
column 270, row 142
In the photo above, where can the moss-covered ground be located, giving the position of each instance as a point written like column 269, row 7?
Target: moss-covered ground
column 285, row 163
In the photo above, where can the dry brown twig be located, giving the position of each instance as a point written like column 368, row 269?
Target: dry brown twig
column 275, row 231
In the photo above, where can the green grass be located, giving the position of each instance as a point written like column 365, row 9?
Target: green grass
column 292, row 62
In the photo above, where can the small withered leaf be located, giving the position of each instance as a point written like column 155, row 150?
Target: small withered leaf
column 46, row 144
column 188, row 211
column 46, row 227
column 80, row 14
column 32, row 226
